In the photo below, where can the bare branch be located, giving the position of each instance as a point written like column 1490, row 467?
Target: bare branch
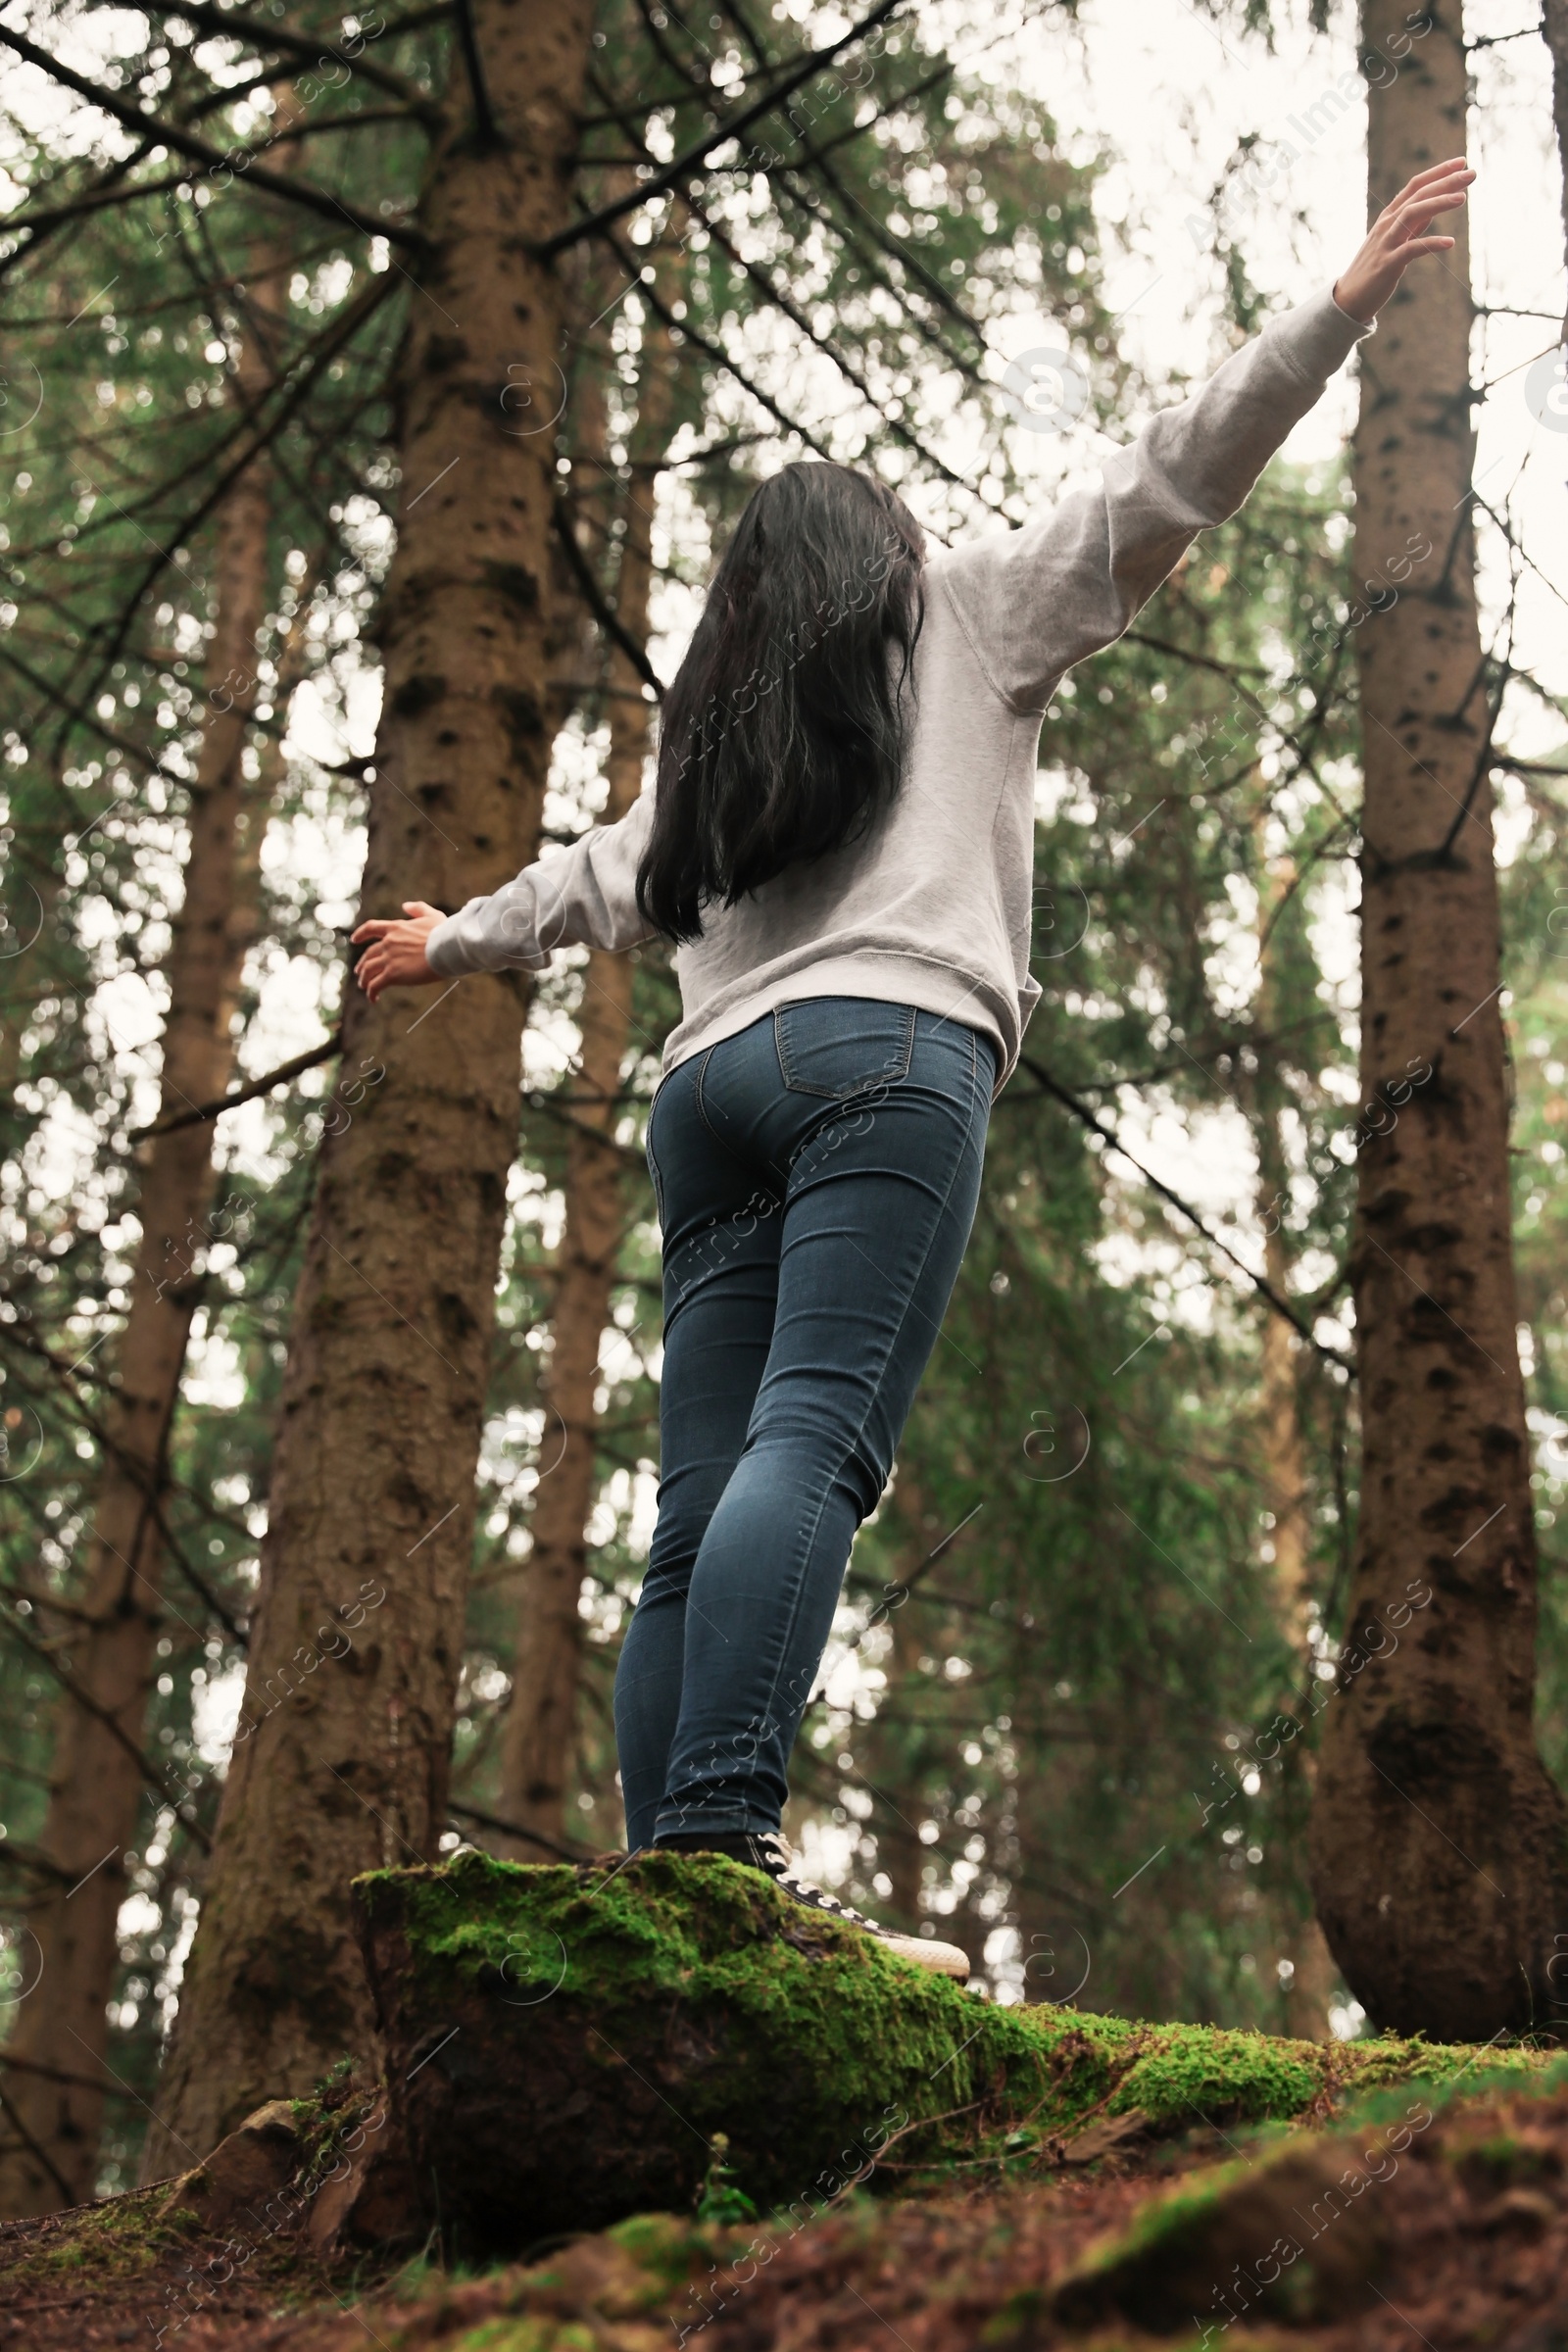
column 683, row 327
column 851, row 374
column 685, row 166
column 485, row 120
column 512, row 1829
column 1265, row 1289
column 83, row 1698
column 286, row 43
column 603, row 611
column 201, row 151
column 205, row 1112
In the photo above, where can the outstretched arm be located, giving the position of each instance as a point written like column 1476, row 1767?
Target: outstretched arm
column 1034, row 601
column 582, row 896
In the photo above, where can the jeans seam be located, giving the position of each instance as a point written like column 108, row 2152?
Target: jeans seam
column 700, row 1105
column 648, row 1154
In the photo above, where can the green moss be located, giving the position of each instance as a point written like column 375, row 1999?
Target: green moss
column 1168, row 2218
column 889, row 2043
column 1271, row 2208
column 880, row 2042
column 331, row 2123
column 662, row 2247
column 524, row 2336
column 1241, row 2237
column 1022, row 2315
column 123, row 2239
column 1444, row 2075
column 1191, row 2072
column 632, row 2273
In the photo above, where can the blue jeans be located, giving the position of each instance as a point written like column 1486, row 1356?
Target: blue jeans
column 816, row 1179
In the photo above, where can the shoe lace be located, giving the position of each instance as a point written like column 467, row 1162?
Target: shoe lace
column 780, row 1863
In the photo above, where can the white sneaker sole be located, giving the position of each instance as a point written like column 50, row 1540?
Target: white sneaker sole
column 942, row 1959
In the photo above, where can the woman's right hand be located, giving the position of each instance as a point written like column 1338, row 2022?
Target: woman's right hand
column 395, row 957
column 1399, row 236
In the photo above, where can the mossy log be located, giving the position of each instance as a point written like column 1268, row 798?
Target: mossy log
column 564, row 2042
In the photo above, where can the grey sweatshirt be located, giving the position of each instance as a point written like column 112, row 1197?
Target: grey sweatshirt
column 932, row 907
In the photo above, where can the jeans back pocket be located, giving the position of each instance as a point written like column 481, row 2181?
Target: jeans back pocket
column 839, row 1046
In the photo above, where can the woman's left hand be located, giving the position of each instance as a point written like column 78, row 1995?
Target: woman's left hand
column 1399, row 237
column 395, row 957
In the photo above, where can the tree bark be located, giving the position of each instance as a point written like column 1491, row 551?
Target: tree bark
column 1284, row 1456
column 1437, row 1841
column 1555, row 24
column 899, row 1847
column 342, row 1758
column 895, row 1751
column 97, row 1781
column 537, row 1736
column 1314, row 1979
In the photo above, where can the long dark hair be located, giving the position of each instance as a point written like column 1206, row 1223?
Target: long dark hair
column 784, row 731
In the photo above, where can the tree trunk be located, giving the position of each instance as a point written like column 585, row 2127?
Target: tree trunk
column 895, row 1750
column 97, row 1780
column 1555, row 24
column 1438, row 1840
column 341, row 1757
column 898, row 1846
column 1314, row 1979
column 1284, row 1456
column 537, row 1736
column 536, row 1739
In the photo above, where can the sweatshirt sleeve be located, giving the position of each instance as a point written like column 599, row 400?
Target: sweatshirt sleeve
column 1034, row 601
column 584, row 895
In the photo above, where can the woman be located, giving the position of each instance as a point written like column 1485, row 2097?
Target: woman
column 840, row 839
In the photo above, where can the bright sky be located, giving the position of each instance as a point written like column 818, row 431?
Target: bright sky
column 1176, row 95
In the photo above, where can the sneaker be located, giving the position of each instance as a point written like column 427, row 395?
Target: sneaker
column 769, row 1852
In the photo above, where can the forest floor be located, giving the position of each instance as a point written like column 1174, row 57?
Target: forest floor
column 1432, row 2214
